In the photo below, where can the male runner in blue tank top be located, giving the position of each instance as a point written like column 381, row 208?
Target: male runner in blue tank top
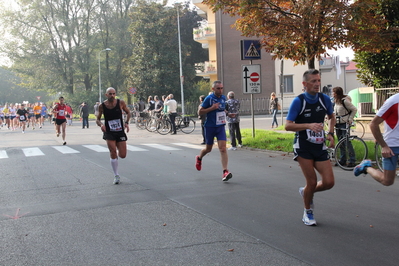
column 114, row 128
column 306, row 117
column 214, row 106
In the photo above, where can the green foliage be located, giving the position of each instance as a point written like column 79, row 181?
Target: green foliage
column 381, row 70
column 154, row 65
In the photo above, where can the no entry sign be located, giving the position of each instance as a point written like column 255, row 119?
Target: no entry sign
column 251, row 79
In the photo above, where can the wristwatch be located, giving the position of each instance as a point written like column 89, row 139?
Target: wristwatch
column 331, row 133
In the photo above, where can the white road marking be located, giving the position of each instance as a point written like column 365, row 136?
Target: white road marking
column 162, row 147
column 29, row 152
column 96, row 148
column 65, row 149
column 135, row 148
column 3, row 154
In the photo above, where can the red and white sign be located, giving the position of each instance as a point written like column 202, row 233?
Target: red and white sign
column 251, row 79
column 254, row 77
column 38, row 98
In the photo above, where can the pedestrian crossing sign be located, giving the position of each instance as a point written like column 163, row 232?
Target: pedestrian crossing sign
column 250, row 50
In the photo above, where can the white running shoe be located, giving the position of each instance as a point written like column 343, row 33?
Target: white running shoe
column 117, row 180
column 308, row 218
column 232, row 149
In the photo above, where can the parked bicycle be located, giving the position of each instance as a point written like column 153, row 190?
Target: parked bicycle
column 350, row 150
column 142, row 120
column 358, row 127
column 184, row 124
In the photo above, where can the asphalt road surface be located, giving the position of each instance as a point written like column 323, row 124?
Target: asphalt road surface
column 58, row 205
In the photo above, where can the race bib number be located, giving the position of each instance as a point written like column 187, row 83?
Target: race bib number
column 315, row 137
column 61, row 113
column 220, row 118
column 115, row 125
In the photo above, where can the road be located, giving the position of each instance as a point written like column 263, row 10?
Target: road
column 59, row 207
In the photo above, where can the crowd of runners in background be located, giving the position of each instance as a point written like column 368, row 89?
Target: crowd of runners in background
column 20, row 116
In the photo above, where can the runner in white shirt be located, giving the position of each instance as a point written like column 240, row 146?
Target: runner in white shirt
column 389, row 114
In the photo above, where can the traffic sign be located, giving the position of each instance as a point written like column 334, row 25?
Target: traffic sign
column 250, row 49
column 251, row 79
column 132, row 90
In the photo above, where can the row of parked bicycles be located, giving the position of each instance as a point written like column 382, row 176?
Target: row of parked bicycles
column 160, row 122
column 351, row 149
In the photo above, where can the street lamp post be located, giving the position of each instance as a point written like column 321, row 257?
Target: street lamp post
column 181, row 69
column 99, row 72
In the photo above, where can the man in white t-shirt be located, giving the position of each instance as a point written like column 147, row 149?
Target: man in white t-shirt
column 389, row 142
column 172, row 108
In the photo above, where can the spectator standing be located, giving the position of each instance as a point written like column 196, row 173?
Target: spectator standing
column 233, row 120
column 158, row 105
column 172, row 110
column 84, row 114
column 202, row 118
column 274, row 108
column 96, row 108
column 345, row 112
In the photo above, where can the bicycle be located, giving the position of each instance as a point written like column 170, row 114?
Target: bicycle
column 350, row 148
column 142, row 119
column 184, row 124
column 359, row 128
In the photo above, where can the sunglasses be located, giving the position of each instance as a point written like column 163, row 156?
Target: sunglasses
column 220, row 88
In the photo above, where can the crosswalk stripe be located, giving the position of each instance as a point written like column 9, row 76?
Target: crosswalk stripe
column 162, row 147
column 3, row 154
column 65, row 149
column 188, row 145
column 134, row 148
column 96, row 148
column 32, row 152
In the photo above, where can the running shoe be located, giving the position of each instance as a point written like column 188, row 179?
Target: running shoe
column 232, row 149
column 64, row 143
column 198, row 163
column 226, row 176
column 361, row 168
column 117, row 180
column 239, row 145
column 308, row 218
column 301, row 189
column 58, row 134
column 23, row 132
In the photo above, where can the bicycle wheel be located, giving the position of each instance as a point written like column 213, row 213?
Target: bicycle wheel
column 140, row 123
column 378, row 156
column 187, row 125
column 350, row 152
column 164, row 127
column 151, row 124
column 357, row 128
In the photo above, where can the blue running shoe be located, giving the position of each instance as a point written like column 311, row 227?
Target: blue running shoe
column 361, row 168
column 301, row 189
column 308, row 218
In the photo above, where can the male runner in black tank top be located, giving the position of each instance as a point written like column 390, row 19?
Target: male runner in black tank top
column 114, row 128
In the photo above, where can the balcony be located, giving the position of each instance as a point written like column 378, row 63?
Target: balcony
column 205, row 33
column 206, row 68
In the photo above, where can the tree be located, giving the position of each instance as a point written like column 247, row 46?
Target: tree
column 302, row 30
column 154, row 65
column 381, row 70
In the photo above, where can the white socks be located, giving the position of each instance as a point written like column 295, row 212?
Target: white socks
column 114, row 164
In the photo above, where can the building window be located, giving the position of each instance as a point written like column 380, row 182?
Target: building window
column 288, row 84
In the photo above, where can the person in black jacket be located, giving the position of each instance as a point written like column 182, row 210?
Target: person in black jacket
column 84, row 114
